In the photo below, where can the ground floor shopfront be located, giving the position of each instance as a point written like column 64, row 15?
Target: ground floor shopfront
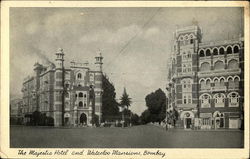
column 215, row 120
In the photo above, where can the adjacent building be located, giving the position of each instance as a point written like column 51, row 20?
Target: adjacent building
column 206, row 80
column 71, row 96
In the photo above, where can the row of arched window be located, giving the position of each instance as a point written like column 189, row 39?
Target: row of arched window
column 80, row 104
column 219, row 99
column 80, row 95
column 233, row 82
column 219, row 65
column 186, row 39
column 219, row 51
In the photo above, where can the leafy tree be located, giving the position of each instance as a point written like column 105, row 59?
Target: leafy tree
column 156, row 103
column 110, row 109
column 135, row 119
column 145, row 117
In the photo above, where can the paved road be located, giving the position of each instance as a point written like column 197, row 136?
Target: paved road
column 145, row 136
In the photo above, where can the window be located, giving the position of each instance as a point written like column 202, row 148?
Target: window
column 216, row 82
column 187, row 98
column 205, row 100
column 203, row 84
column 80, row 104
column 80, row 94
column 85, row 105
column 205, row 66
column 85, row 96
column 230, row 82
column 187, row 84
column 232, row 64
column 191, row 41
column 222, row 83
column 79, row 76
column 202, row 53
column 208, row 53
column 219, row 65
column 236, row 49
column 229, row 50
column 215, row 51
column 208, row 83
column 221, row 51
column 233, row 99
column 219, row 100
column 237, row 82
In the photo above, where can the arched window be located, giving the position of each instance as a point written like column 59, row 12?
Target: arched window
column 236, row 82
column 205, row 100
column 219, row 100
column 85, row 105
column 219, row 65
column 233, row 98
column 222, row 82
column 203, row 84
column 205, row 66
column 215, row 51
column 85, row 96
column 76, row 95
column 230, row 82
column 208, row 53
column 202, row 53
column 236, row 49
column 229, row 50
column 80, row 94
column 216, row 82
column 232, row 64
column 208, row 83
column 221, row 51
column 80, row 104
column 79, row 76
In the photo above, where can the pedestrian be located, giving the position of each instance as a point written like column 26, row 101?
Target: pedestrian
column 166, row 126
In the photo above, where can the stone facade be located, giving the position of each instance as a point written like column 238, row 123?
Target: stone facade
column 71, row 96
column 206, row 81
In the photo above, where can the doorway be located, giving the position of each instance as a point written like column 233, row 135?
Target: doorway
column 83, row 119
column 188, row 123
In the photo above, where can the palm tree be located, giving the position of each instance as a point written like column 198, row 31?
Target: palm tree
column 125, row 102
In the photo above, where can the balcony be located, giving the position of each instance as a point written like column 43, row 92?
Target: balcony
column 219, row 72
column 183, row 74
column 218, row 88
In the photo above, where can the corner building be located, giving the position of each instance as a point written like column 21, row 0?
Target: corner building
column 206, row 81
column 71, row 96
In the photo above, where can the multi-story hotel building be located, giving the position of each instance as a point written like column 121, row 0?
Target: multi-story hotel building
column 69, row 95
column 206, row 80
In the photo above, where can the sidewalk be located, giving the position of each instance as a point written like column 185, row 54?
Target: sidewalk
column 182, row 129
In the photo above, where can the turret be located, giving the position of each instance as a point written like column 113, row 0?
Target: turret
column 98, row 85
column 98, row 61
column 59, row 58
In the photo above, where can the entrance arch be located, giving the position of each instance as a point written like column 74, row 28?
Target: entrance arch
column 83, row 118
column 187, row 117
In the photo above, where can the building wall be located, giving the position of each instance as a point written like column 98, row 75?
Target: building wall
column 195, row 69
column 45, row 90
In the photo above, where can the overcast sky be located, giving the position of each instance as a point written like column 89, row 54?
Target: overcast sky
column 139, row 64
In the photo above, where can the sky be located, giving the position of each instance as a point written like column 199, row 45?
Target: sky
column 135, row 42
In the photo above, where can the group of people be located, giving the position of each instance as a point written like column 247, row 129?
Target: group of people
column 167, row 124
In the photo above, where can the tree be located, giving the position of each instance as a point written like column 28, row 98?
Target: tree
column 110, row 109
column 135, row 119
column 125, row 102
column 145, row 117
column 156, row 103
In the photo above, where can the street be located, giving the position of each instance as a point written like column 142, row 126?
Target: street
column 143, row 136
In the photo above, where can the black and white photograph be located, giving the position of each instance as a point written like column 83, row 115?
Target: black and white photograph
column 155, row 78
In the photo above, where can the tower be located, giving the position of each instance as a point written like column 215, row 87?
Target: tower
column 186, row 59
column 98, row 85
column 59, row 89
